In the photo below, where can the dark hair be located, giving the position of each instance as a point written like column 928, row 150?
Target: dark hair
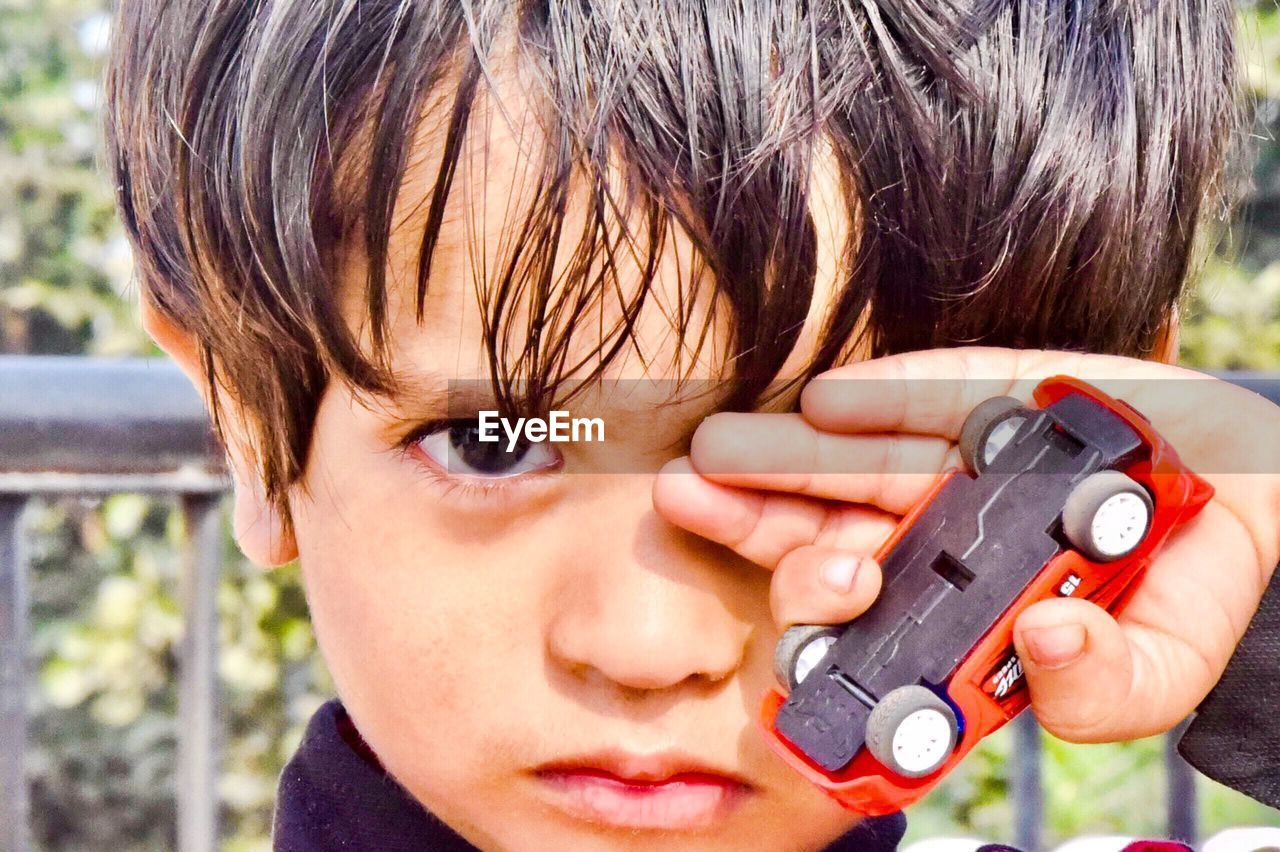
column 1023, row 173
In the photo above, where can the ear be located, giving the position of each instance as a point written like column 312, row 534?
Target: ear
column 1166, row 348
column 260, row 530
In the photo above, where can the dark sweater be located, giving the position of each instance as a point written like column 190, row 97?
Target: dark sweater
column 334, row 796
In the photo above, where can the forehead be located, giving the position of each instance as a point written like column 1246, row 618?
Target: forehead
column 503, row 254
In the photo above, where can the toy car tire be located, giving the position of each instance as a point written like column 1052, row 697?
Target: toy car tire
column 800, row 649
column 976, row 448
column 912, row 731
column 1107, row 516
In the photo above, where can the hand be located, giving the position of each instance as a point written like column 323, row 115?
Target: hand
column 811, row 495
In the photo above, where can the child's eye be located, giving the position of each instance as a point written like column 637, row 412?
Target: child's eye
column 456, row 447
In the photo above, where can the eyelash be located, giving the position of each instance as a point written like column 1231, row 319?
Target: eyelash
column 458, row 486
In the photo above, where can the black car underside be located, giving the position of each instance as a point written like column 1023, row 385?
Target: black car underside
column 954, row 574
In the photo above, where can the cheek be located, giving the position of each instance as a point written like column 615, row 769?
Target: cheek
column 421, row 635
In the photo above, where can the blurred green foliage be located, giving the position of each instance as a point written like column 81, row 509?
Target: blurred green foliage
column 1233, row 320
column 63, row 261
column 106, row 573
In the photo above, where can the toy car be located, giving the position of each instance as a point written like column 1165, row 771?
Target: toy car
column 1070, row 498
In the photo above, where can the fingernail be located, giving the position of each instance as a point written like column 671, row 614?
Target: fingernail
column 837, row 573
column 1055, row 647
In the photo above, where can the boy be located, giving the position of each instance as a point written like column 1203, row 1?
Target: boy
column 361, row 224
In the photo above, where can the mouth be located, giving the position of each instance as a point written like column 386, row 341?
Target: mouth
column 665, row 791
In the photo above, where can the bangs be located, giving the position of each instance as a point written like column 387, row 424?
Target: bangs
column 1015, row 173
column 636, row 146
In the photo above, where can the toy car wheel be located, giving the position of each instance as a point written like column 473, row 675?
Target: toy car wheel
column 988, row 429
column 1107, row 516
column 800, row 649
column 912, row 731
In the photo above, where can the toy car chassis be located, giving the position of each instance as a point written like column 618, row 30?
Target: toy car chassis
column 1070, row 498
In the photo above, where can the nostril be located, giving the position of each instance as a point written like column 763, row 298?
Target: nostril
column 637, row 658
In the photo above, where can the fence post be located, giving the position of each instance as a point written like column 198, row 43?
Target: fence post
column 1027, row 792
column 14, row 809
column 198, row 731
column 1181, row 814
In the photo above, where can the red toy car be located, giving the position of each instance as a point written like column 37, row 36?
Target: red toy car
column 1071, row 498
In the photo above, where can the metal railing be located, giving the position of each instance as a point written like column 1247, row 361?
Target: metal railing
column 77, row 426
column 74, row 426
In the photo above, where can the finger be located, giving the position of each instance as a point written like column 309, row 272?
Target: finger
column 1144, row 672
column 925, row 393
column 1080, row 671
column 931, row 392
column 1190, row 610
column 822, row 585
column 763, row 527
column 1094, row 680
column 782, row 452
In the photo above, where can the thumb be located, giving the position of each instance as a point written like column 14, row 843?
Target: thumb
column 1080, row 671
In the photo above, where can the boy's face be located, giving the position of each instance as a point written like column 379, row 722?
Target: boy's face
column 519, row 643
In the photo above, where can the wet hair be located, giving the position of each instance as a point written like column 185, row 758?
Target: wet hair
column 1022, row 173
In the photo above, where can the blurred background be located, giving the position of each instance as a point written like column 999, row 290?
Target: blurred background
column 105, row 615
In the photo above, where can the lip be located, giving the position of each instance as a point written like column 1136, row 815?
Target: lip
column 665, row 791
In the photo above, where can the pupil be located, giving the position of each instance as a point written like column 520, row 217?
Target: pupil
column 484, row 456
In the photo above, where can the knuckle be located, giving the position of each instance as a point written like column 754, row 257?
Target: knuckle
column 1080, row 715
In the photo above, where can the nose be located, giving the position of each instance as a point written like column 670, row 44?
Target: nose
column 653, row 608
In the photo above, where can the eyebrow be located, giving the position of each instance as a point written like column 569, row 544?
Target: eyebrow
column 431, row 391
